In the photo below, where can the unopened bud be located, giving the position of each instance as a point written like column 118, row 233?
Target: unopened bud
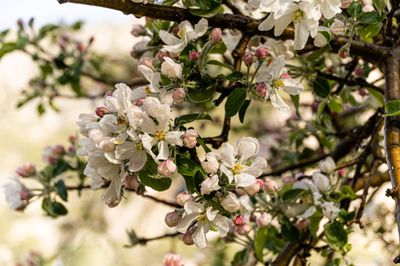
column 147, row 61
column 210, row 164
column 248, row 58
column 190, row 138
column 131, row 182
column 262, row 52
column 161, row 55
column 172, row 259
column 271, row 186
column 166, row 168
column 264, row 219
column 252, row 189
column 302, row 224
column 101, row 111
column 179, row 95
column 26, row 170
column 243, row 229
column 261, row 90
column 80, row 47
column 182, row 198
column 194, row 55
column 344, row 52
column 24, row 195
column 187, row 238
column 137, row 30
column 216, row 35
column 172, row 219
column 20, row 23
column 238, row 220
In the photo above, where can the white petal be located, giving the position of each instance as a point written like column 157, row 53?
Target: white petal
column 174, row 137
column 199, row 237
column 168, row 38
column 222, row 223
column 301, row 32
column 244, row 180
column 257, row 167
column 186, row 222
column 137, row 162
column 282, row 23
column 228, row 154
column 201, row 27
column 147, row 72
column 125, row 150
column 267, row 24
column 163, row 151
column 277, row 101
column 292, row 86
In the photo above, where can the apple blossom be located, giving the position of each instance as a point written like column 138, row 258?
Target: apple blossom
column 179, row 95
column 172, row 259
column 166, row 168
column 231, row 203
column 26, row 170
column 209, row 185
column 216, row 35
column 210, row 164
column 190, row 138
column 171, row 69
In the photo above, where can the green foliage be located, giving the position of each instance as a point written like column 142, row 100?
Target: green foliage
column 185, row 119
column 321, row 87
column 149, row 177
column 235, row 101
column 335, row 234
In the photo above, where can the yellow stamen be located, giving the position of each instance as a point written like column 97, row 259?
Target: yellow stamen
column 297, row 16
column 121, row 120
column 279, row 83
column 181, row 33
column 139, row 146
column 148, row 91
column 159, row 135
column 237, row 168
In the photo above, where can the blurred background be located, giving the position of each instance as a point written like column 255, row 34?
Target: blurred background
column 92, row 234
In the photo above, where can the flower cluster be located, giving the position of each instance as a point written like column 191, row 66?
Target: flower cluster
column 130, row 130
column 304, row 14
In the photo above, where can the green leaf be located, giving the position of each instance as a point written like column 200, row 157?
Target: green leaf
column 61, row 189
column 369, row 17
column 235, row 76
column 354, row 9
column 292, row 194
column 321, row 87
column 218, row 48
column 184, row 119
column 149, row 170
column 200, row 95
column 221, row 64
column 368, row 32
column 259, row 242
column 191, row 172
column 379, row 5
column 335, row 234
column 53, row 208
column 21, row 42
column 43, row 31
column 296, row 103
column 243, row 109
column 235, row 101
column 240, row 258
column 289, row 231
column 40, row 109
column 7, row 48
column 314, row 222
column 392, row 108
column 335, row 105
column 203, row 8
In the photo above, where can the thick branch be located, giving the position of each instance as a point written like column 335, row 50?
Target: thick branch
column 392, row 128
column 368, row 51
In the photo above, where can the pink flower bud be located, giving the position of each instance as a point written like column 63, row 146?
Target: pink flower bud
column 264, row 219
column 342, row 172
column 137, row 30
column 101, row 111
column 72, row 139
column 20, row 23
column 252, row 189
column 166, row 168
column 80, row 47
column 187, row 238
column 179, row 95
column 210, row 164
column 216, row 35
column 26, row 170
column 131, row 182
column 243, row 229
column 172, row 219
column 24, row 195
column 139, row 102
column 172, row 259
column 108, row 93
column 71, row 150
column 190, row 138
column 302, row 224
column 248, row 58
column 261, row 90
column 358, row 71
column 147, row 61
column 285, row 76
column 346, row 3
column 238, row 220
column 262, row 52
column 271, row 186
column 58, row 150
column 182, row 198
column 343, row 52
column 194, row 55
column 161, row 55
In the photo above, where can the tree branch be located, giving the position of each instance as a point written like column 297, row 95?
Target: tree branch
column 368, row 51
column 392, row 129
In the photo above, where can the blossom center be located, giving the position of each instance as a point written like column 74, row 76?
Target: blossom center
column 159, row 135
column 139, row 146
column 237, row 168
column 278, row 83
column 181, row 33
column 121, row 120
column 147, row 90
column 297, row 16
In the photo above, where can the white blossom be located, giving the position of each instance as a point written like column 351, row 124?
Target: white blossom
column 171, row 69
column 206, row 219
column 231, row 203
column 209, row 185
column 186, row 34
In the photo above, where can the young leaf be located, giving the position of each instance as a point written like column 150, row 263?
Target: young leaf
column 235, row 101
column 184, row 119
column 61, row 189
column 321, row 87
column 243, row 109
column 259, row 243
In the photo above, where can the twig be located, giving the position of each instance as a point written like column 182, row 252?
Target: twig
column 144, row 240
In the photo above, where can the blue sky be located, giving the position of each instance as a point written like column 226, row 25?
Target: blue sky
column 45, row 11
